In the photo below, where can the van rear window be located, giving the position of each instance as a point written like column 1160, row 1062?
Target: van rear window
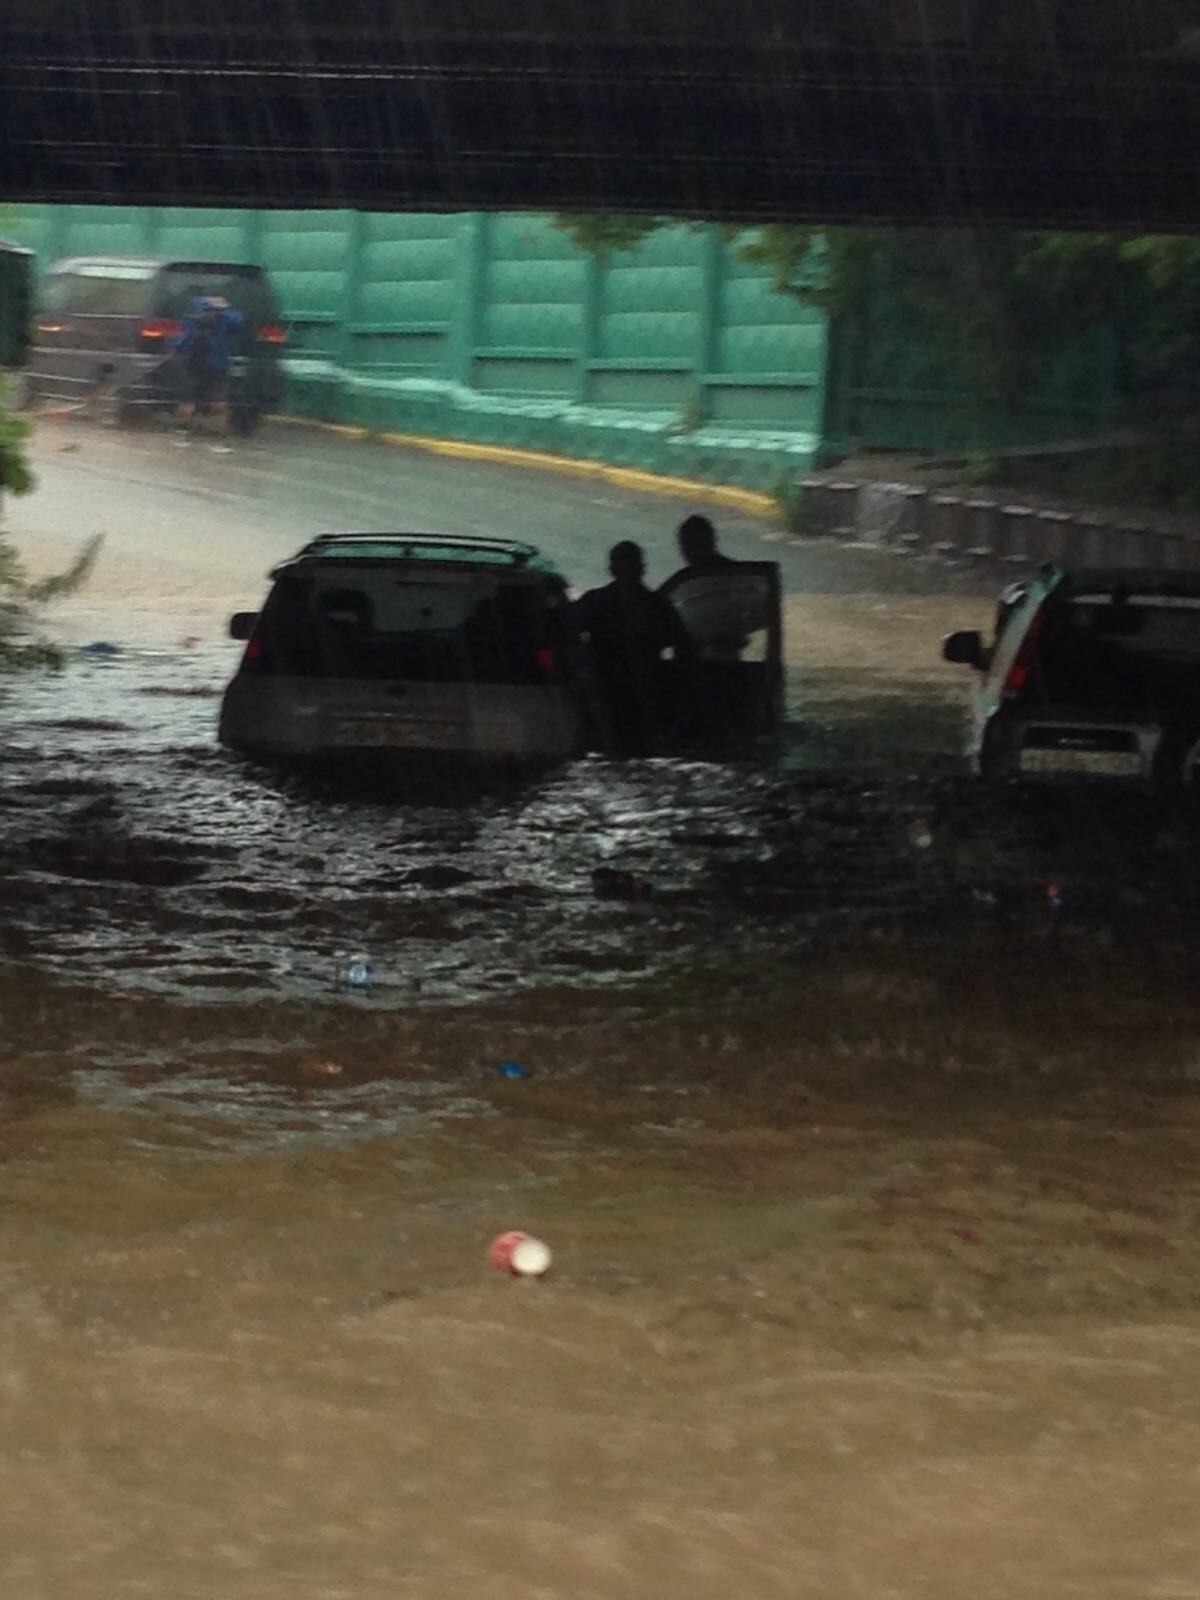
column 1163, row 625
column 97, row 291
column 1097, row 652
column 182, row 283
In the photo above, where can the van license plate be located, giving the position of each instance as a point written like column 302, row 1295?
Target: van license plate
column 379, row 734
column 1068, row 763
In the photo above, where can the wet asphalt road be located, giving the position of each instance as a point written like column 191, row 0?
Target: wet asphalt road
column 188, row 522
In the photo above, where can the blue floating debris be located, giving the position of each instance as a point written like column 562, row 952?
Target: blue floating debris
column 100, row 647
column 1054, row 895
column 359, row 974
column 511, row 1069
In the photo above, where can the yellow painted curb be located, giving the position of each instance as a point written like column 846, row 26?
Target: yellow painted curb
column 752, row 501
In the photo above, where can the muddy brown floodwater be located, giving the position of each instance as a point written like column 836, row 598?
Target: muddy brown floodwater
column 869, row 1170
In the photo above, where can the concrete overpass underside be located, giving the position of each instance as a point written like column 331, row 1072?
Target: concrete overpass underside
column 1073, row 113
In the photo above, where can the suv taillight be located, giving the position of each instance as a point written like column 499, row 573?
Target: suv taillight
column 272, row 333
column 161, row 328
column 1018, row 673
column 254, row 657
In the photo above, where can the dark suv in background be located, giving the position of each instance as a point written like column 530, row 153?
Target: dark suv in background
column 105, row 327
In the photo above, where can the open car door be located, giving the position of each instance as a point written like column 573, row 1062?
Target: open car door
column 728, row 703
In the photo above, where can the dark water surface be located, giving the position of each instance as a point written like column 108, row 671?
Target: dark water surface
column 138, row 856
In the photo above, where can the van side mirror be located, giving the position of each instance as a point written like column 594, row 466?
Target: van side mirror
column 241, row 624
column 965, row 649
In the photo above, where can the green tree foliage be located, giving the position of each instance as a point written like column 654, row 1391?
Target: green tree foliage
column 1163, row 271
column 22, row 644
column 989, row 306
column 21, row 641
column 986, row 304
column 603, row 235
column 18, row 643
column 15, row 474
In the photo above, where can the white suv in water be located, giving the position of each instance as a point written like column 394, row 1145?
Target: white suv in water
column 433, row 649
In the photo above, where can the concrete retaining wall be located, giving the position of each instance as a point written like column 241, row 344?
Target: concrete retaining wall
column 990, row 528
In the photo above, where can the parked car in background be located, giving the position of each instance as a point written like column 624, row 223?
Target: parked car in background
column 1089, row 674
column 105, row 325
column 435, row 650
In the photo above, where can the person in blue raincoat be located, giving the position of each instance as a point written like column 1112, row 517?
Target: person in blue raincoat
column 205, row 350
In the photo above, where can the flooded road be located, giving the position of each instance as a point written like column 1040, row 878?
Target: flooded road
column 138, row 855
column 869, row 1172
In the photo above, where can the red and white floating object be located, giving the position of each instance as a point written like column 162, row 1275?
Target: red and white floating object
column 520, row 1255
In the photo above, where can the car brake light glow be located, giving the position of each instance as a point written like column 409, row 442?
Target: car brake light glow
column 253, row 647
column 272, row 333
column 545, row 660
column 1018, row 673
column 161, row 328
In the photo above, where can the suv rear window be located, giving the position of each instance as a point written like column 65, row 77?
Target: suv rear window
column 393, row 623
column 182, row 283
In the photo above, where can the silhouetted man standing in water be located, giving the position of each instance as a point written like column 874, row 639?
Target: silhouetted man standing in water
column 720, row 613
column 628, row 627
column 698, row 546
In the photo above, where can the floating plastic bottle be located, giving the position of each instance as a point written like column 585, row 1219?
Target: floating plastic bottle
column 520, row 1255
column 358, row 973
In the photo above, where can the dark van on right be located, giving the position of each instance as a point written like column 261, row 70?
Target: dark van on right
column 105, row 327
